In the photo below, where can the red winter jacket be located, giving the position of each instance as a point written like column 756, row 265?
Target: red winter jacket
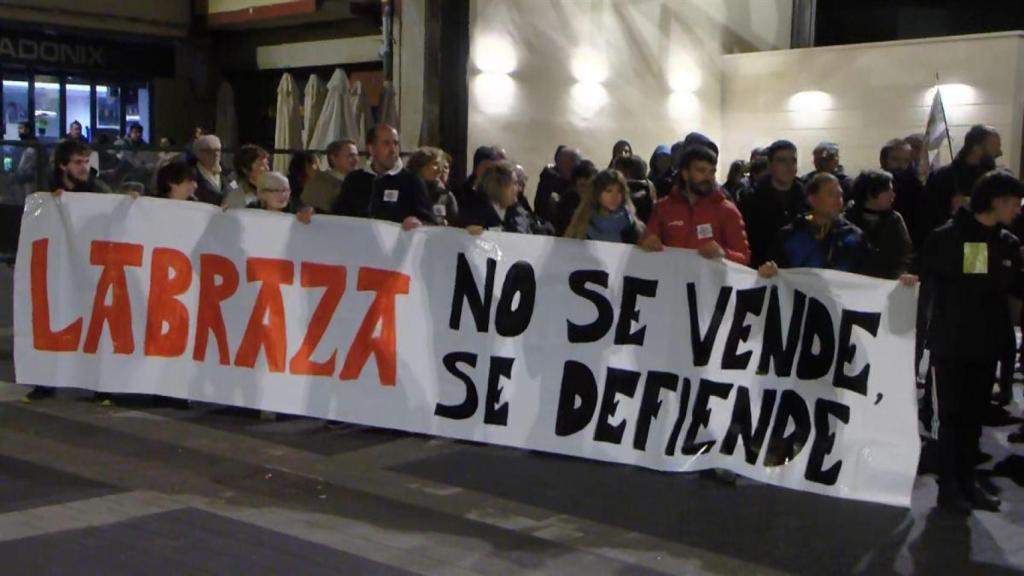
column 713, row 217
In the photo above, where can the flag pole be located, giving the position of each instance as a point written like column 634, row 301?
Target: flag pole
column 942, row 106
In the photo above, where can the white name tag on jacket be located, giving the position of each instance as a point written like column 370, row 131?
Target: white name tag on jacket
column 704, row 232
column 391, row 195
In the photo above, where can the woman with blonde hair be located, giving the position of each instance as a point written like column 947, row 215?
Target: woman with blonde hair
column 430, row 164
column 606, row 212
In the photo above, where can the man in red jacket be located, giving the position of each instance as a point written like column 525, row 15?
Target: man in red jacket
column 697, row 215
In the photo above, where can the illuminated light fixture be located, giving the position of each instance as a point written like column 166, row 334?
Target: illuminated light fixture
column 495, row 93
column 587, row 99
column 684, row 75
column 683, row 105
column 495, row 55
column 809, row 101
column 588, row 67
column 952, row 94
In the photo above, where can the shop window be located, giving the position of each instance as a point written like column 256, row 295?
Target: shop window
column 79, row 108
column 48, row 117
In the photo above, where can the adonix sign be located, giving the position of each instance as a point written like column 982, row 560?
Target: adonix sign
column 30, row 50
column 69, row 53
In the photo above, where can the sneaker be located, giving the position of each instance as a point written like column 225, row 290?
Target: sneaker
column 39, row 393
column 981, row 500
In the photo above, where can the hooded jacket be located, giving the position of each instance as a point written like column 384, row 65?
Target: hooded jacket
column 968, row 273
column 662, row 182
column 713, row 217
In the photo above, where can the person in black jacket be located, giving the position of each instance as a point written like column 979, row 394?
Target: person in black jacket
column 563, row 206
column 497, row 208
column 483, row 157
column 383, row 190
column 949, row 187
column 970, row 269
column 776, row 200
column 641, row 191
column 890, row 252
column 555, row 180
column 895, row 158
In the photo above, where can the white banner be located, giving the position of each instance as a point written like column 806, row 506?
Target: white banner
column 589, row 349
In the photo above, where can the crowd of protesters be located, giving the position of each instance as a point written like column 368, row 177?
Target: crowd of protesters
column 954, row 230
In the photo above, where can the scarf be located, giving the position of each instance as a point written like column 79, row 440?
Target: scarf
column 609, row 228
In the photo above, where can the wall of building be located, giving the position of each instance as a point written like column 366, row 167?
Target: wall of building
column 589, row 72
column 860, row 96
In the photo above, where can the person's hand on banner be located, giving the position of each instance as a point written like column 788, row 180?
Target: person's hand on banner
column 768, row 270
column 475, row 230
column 411, row 223
column 57, row 193
column 711, row 250
column 305, row 215
column 909, row 280
column 652, row 244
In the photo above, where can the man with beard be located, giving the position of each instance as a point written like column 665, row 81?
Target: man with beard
column 949, row 187
column 71, row 169
column 697, row 215
column 777, row 199
column 896, row 159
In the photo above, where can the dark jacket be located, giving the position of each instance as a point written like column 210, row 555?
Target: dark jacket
column 205, row 192
column 909, row 192
column 548, row 204
column 478, row 211
column 842, row 248
column 890, row 251
column 765, row 211
column 664, row 182
column 935, row 208
column 643, row 195
column 392, row 196
column 964, row 300
column 443, row 203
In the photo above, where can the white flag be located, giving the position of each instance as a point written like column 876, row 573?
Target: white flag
column 936, row 134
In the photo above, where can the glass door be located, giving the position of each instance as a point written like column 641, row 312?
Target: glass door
column 48, row 117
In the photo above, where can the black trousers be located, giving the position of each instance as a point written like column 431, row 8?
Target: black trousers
column 962, row 389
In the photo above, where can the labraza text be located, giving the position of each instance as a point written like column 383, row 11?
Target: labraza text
column 588, row 349
column 805, row 342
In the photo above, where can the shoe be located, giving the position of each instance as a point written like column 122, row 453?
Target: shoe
column 952, row 501
column 981, row 500
column 39, row 393
column 268, row 416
